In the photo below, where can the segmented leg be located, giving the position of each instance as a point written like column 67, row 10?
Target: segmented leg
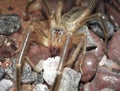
column 64, row 53
column 59, row 11
column 49, row 13
column 18, row 77
column 19, row 64
column 85, row 14
column 20, row 56
column 61, row 64
column 83, row 53
column 56, row 83
column 47, row 8
column 80, row 46
column 100, row 17
column 27, row 7
column 32, row 65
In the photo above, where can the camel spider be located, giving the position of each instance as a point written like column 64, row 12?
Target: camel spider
column 62, row 34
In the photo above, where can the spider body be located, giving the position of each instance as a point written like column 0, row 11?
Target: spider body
column 62, row 34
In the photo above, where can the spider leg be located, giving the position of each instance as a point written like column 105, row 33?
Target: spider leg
column 47, row 8
column 42, row 34
column 20, row 57
column 18, row 77
column 65, row 52
column 59, row 11
column 32, row 65
column 61, row 64
column 85, row 13
column 49, row 13
column 27, row 7
column 81, row 45
column 100, row 17
column 83, row 53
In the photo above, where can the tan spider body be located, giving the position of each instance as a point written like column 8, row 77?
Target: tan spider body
column 63, row 33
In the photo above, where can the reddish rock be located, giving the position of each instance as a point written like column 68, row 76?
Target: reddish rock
column 89, row 67
column 38, row 52
column 8, row 49
column 98, row 51
column 13, row 7
column 113, row 14
column 114, row 49
column 104, row 79
column 6, row 63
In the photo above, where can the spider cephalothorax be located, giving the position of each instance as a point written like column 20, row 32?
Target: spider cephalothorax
column 56, row 36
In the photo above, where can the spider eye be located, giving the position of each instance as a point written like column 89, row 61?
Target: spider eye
column 57, row 34
column 57, row 31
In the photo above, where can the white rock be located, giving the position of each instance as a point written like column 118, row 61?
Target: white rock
column 107, row 89
column 5, row 85
column 103, row 60
column 49, row 66
column 70, row 80
column 40, row 87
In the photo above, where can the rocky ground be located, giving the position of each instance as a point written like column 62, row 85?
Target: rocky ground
column 100, row 68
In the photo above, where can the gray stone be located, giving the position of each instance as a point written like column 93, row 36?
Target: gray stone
column 5, row 85
column 11, row 69
column 39, row 78
column 49, row 67
column 2, row 72
column 96, row 27
column 28, row 75
column 90, row 41
column 9, row 23
column 70, row 80
column 107, row 89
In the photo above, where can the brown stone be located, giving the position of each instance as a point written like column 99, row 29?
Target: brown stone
column 114, row 49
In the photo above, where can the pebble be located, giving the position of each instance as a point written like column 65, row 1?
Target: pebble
column 40, row 87
column 5, row 84
column 70, row 80
column 39, row 78
column 9, row 23
column 90, row 41
column 28, row 76
column 10, row 70
column 38, row 52
column 107, row 89
column 2, row 39
column 89, row 67
column 49, row 66
column 2, row 72
column 105, row 79
column 114, row 49
column 94, row 24
column 99, row 50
